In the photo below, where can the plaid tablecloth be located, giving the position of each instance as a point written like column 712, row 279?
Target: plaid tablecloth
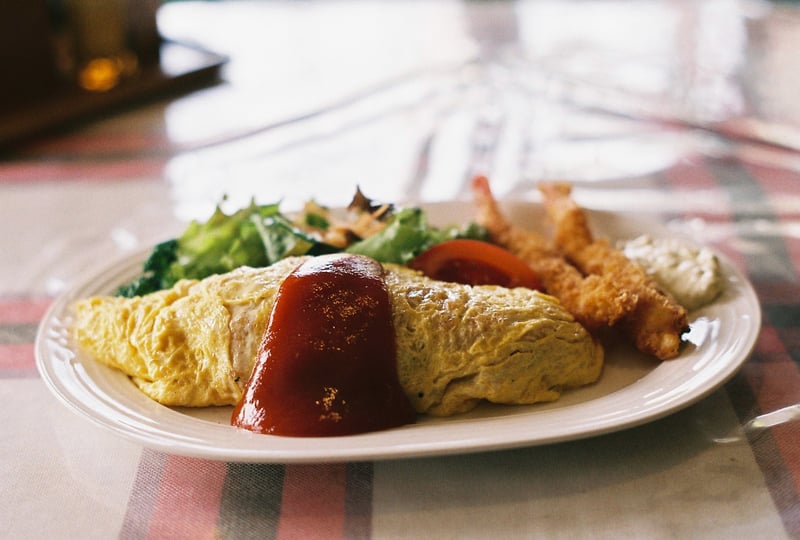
column 70, row 201
column 694, row 473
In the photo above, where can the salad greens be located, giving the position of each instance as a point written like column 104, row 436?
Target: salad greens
column 406, row 235
column 260, row 235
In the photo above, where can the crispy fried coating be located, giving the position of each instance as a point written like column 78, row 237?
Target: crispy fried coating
column 657, row 321
column 594, row 300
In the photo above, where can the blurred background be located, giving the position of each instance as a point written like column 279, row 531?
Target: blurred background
column 187, row 103
column 246, row 66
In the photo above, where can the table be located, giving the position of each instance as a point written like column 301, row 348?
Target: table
column 675, row 110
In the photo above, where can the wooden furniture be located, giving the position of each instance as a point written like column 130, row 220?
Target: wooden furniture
column 60, row 61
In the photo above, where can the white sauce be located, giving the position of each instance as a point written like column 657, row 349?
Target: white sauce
column 690, row 274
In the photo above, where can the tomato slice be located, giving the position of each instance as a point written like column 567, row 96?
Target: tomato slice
column 474, row 262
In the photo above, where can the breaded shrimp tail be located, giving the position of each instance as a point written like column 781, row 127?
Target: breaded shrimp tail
column 595, row 301
column 657, row 321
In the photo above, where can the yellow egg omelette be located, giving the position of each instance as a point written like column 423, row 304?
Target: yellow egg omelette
column 196, row 343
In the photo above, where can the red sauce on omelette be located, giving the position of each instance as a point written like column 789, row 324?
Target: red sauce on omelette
column 327, row 362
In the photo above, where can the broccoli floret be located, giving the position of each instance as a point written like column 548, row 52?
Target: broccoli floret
column 156, row 268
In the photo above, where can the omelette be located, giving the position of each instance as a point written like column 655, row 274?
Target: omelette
column 195, row 344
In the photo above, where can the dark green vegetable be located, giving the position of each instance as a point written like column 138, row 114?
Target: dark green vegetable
column 317, row 221
column 260, row 235
column 257, row 235
column 281, row 239
column 156, row 267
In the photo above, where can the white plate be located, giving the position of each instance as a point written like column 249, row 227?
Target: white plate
column 632, row 390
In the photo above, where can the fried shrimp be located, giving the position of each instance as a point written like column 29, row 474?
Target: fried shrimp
column 594, row 300
column 657, row 321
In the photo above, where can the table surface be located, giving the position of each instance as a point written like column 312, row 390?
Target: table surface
column 679, row 111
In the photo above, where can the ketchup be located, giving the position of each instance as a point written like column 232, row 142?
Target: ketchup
column 327, row 363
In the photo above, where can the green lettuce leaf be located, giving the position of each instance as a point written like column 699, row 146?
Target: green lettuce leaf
column 260, row 235
column 257, row 235
column 407, row 234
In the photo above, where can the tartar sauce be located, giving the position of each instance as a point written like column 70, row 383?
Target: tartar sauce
column 692, row 275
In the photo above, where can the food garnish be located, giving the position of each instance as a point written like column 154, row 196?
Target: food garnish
column 257, row 235
column 260, row 235
column 474, row 262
